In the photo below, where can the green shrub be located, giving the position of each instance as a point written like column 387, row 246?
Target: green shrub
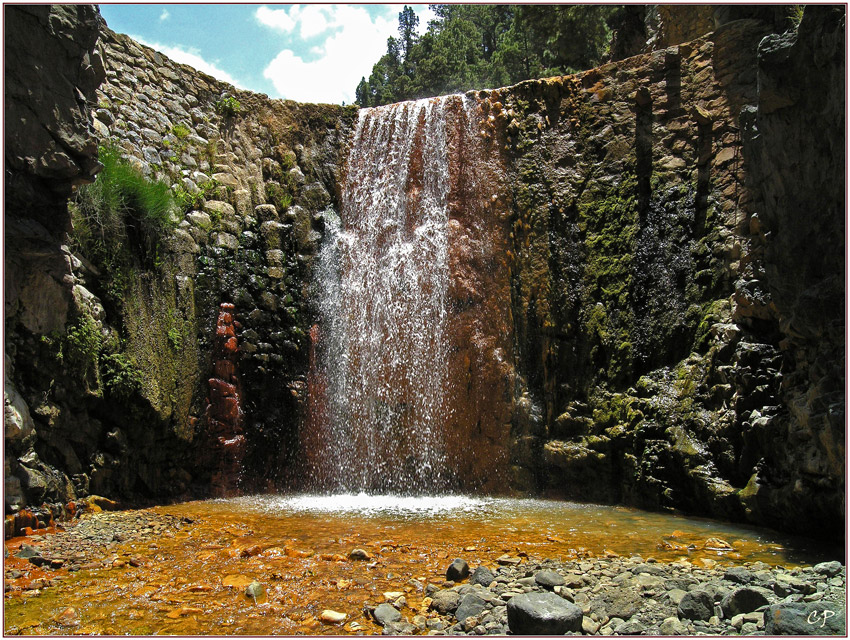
column 795, row 14
column 228, row 107
column 81, row 347
column 122, row 211
column 188, row 201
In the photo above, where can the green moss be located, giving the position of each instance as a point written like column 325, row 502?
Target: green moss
column 712, row 312
column 279, row 197
column 81, row 350
column 121, row 379
column 181, row 131
column 610, row 220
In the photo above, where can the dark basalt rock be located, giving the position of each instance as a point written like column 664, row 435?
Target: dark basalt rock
column 542, row 614
column 696, row 605
column 483, row 576
column 805, row 619
column 458, row 570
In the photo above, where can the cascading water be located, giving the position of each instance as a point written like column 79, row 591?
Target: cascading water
column 410, row 386
column 383, row 279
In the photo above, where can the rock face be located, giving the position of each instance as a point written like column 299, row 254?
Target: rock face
column 223, row 415
column 51, row 68
column 108, row 365
column 653, row 296
column 799, row 476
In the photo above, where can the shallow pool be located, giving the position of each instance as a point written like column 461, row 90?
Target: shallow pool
column 193, row 580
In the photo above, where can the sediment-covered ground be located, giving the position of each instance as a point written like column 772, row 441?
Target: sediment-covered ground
column 123, row 572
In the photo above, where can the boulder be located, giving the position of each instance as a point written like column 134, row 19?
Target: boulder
column 542, row 614
column 445, row 601
column 828, row 569
column 805, row 619
column 744, row 600
column 483, row 576
column 470, row 605
column 549, row 579
column 696, row 605
column 458, row 570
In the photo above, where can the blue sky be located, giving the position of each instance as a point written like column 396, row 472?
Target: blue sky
column 309, row 53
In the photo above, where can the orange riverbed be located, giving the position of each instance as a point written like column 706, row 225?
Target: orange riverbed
column 192, row 580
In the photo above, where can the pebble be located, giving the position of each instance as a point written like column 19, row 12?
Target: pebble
column 609, row 597
column 330, row 616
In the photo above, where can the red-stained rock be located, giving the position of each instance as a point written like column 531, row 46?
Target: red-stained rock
column 223, row 414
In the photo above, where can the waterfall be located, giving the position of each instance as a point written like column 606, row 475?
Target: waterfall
column 410, row 381
column 383, row 281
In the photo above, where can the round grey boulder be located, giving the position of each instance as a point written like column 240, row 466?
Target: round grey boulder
column 543, row 614
column 549, row 579
column 744, row 600
column 483, row 576
column 696, row 605
column 828, row 569
column 457, row 571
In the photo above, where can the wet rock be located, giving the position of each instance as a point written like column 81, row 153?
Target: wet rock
column 458, row 570
column 27, row 552
column 256, row 591
column 359, row 554
column 330, row 616
column 542, row 614
column 68, row 618
column 386, row 613
column 696, row 605
column 483, row 576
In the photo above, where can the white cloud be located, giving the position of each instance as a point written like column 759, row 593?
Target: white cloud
column 312, row 19
column 164, row 15
column 192, row 58
column 275, row 18
column 356, row 43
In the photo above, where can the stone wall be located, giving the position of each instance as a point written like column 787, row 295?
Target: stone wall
column 107, row 363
